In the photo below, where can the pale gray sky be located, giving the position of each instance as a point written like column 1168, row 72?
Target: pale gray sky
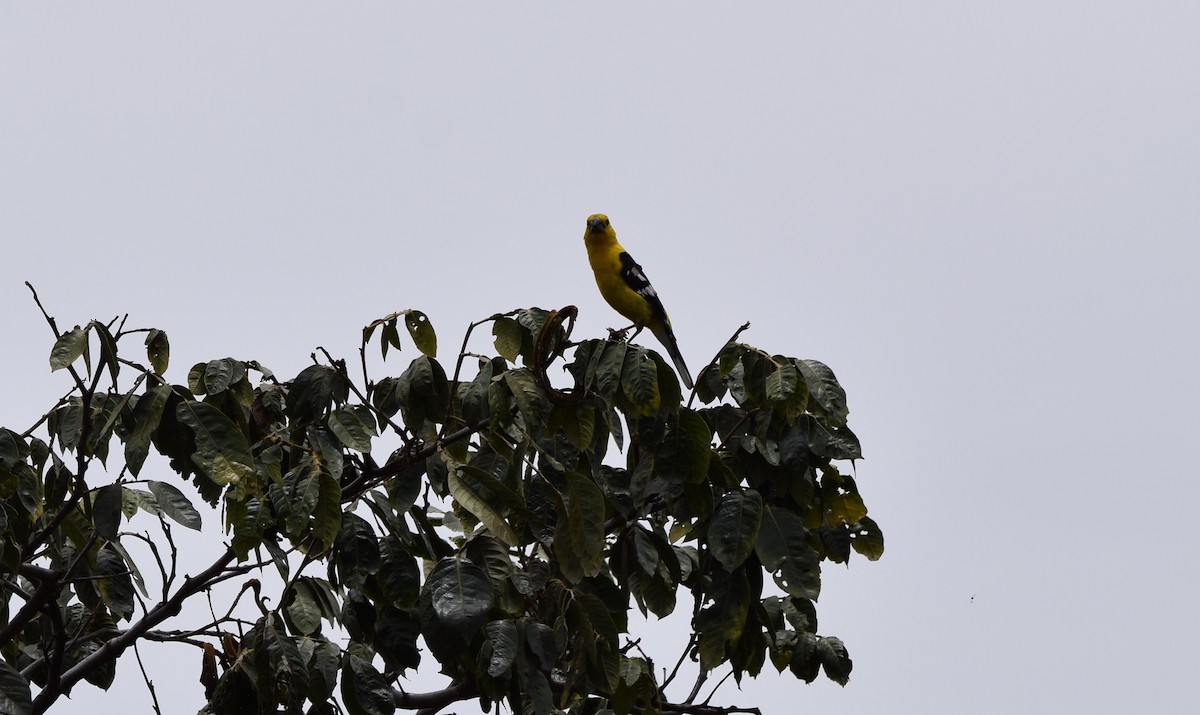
column 984, row 219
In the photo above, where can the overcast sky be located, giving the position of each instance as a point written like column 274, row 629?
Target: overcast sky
column 983, row 219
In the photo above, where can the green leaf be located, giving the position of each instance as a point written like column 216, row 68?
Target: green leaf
column 639, row 381
column 399, row 577
column 826, row 396
column 868, row 538
column 783, row 546
column 782, row 383
column 354, row 426
column 146, row 417
column 113, row 583
column 106, row 511
column 158, row 351
column 303, row 488
column 579, row 531
column 327, row 516
column 502, row 637
column 222, row 452
column 68, row 348
column 322, row 671
column 531, row 401
column 220, row 375
column 390, row 338
column 683, row 454
column 250, row 520
column 461, row 595
column 311, row 392
column 11, row 448
column 108, row 349
column 610, row 368
column 303, row 609
column 644, row 550
column 14, row 692
column 541, row 697
column 507, row 333
column 721, row 624
column 282, row 672
column 734, row 528
column 424, row 392
column 395, row 638
column 834, row 659
column 467, row 496
column 473, row 396
column 421, row 331
column 356, row 551
column 175, row 505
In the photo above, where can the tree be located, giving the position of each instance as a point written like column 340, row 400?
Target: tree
column 495, row 533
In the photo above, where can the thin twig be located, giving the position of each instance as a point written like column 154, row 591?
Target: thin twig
column 146, row 677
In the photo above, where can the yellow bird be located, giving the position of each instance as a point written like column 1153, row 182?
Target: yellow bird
column 625, row 286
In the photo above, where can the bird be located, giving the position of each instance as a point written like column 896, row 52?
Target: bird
column 624, row 285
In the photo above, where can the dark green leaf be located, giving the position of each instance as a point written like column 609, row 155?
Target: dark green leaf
column 219, row 375
column 465, row 492
column 322, row 670
column 175, row 505
column 113, row 583
column 610, row 368
column 579, row 533
column 250, row 520
column 356, row 551
column 530, row 399
column 639, row 381
column 108, row 350
column 354, row 426
column 834, row 659
column 424, row 392
column 783, row 545
column 14, row 692
column 421, row 331
column 282, row 671
column 868, row 539
column 303, row 607
column 146, row 417
column 502, row 637
column 507, row 333
column 734, row 528
column 327, row 516
column 106, row 511
column 826, row 396
column 396, row 631
column 68, row 348
column 158, row 351
column 222, row 452
column 311, row 392
column 461, row 595
column 537, row 687
column 390, row 338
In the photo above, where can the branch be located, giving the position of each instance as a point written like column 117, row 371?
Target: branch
column 430, row 703
column 707, row 709
column 113, row 648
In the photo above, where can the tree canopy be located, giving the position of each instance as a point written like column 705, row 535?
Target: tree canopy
column 503, row 541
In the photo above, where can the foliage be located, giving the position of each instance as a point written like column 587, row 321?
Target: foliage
column 494, row 539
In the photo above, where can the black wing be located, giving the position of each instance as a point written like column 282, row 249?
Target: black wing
column 635, row 278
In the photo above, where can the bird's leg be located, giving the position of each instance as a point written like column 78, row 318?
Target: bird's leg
column 619, row 335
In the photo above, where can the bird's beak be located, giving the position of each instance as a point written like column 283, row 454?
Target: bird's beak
column 595, row 224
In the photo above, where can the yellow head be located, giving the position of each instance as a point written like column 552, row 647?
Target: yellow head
column 598, row 223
